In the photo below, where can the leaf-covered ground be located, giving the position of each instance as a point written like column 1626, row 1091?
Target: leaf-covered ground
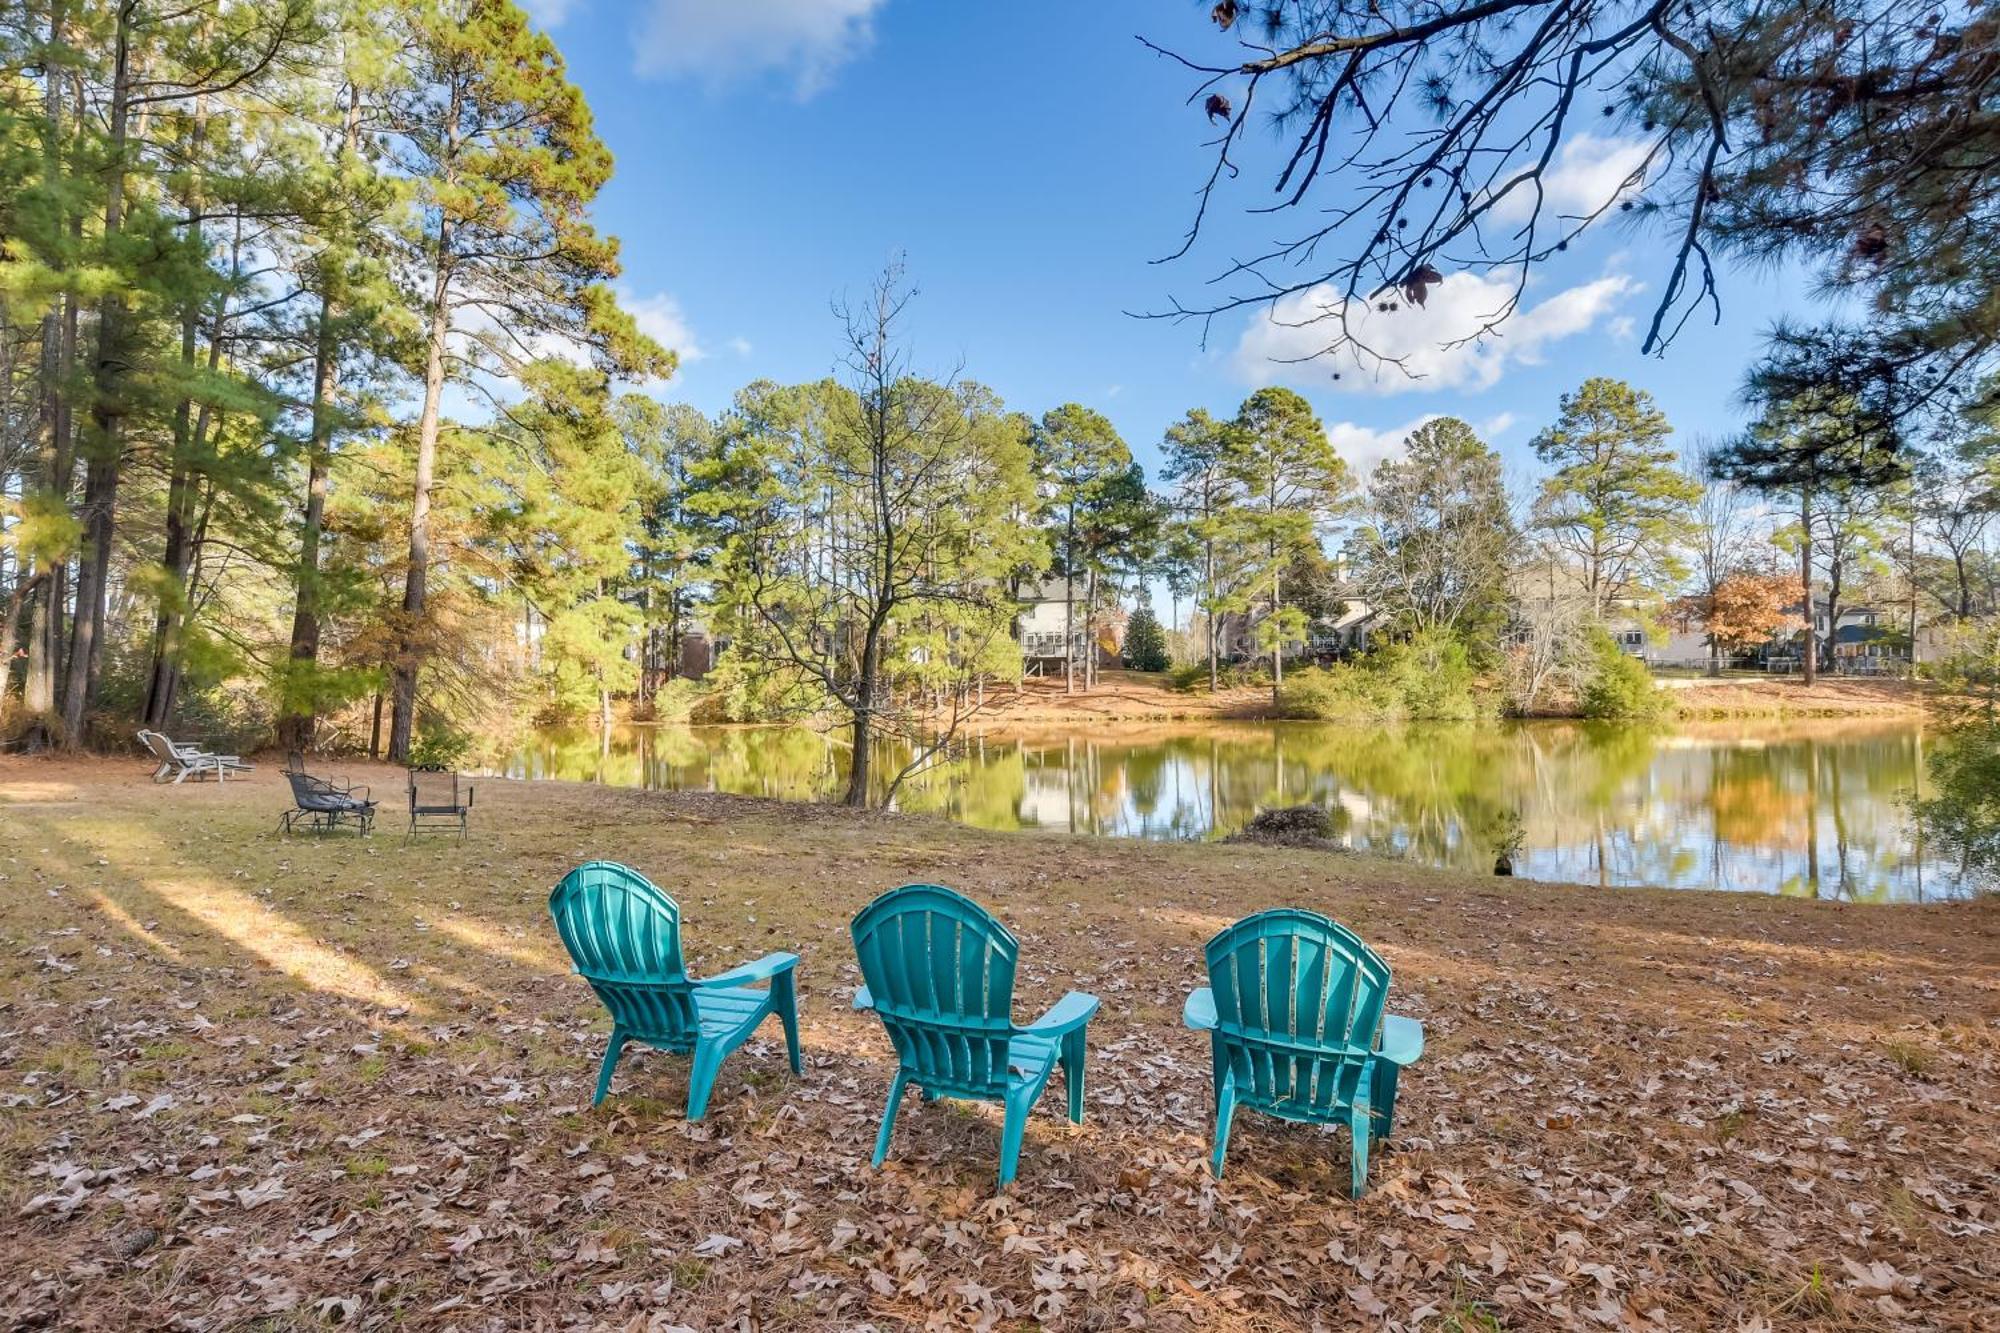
column 247, row 1082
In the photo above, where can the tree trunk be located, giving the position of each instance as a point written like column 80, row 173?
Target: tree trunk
column 1809, row 659
column 26, row 589
column 58, row 358
column 1277, row 632
column 1208, row 586
column 862, row 730
column 189, row 436
column 1069, row 604
column 100, row 486
column 416, row 583
column 1090, row 633
column 296, row 721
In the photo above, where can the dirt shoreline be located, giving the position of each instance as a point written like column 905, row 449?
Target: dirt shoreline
column 250, row 1081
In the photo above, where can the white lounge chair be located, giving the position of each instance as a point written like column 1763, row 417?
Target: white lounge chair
column 185, row 761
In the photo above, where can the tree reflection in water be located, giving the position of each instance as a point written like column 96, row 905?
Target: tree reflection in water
column 1804, row 808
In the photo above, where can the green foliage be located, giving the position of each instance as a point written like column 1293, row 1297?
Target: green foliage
column 676, row 700
column 1343, row 692
column 1617, row 505
column 1961, row 815
column 870, row 535
column 440, row 745
column 1439, row 545
column 1145, row 641
column 1618, row 685
column 1428, row 677
column 1291, row 483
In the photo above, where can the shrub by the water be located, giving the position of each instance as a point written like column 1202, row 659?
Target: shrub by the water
column 1428, row 677
column 1343, row 692
column 1618, row 685
column 675, row 700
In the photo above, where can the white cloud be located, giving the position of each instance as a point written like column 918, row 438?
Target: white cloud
column 716, row 41
column 1497, row 424
column 1589, row 173
column 1365, row 448
column 740, row 346
column 1443, row 344
column 549, row 13
column 659, row 317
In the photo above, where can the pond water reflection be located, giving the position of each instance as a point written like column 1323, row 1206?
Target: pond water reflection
column 1801, row 808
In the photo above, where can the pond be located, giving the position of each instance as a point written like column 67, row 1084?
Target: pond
column 1807, row 808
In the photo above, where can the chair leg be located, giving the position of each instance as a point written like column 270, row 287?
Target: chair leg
column 1384, row 1098
column 1011, row 1131
column 1360, row 1121
column 889, row 1116
column 1073, row 1057
column 611, row 1053
column 785, row 999
column 701, row 1079
column 1225, row 1111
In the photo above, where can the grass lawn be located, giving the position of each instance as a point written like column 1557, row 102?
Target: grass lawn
column 252, row 1082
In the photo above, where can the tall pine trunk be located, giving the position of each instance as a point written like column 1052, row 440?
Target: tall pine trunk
column 100, row 485
column 1809, row 660
column 58, row 361
column 295, row 723
column 1069, row 603
column 1208, row 608
column 416, row 581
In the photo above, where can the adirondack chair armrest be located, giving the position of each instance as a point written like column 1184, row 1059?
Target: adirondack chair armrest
column 1199, row 1012
column 1069, row 1013
column 862, row 999
column 1402, row 1040
column 770, row 965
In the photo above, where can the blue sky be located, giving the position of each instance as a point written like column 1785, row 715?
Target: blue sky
column 1030, row 163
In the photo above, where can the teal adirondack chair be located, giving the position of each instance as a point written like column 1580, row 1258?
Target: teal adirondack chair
column 940, row 975
column 624, row 935
column 1293, row 1012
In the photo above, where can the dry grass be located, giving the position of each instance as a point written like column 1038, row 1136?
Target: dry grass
column 246, row 1082
column 1787, row 696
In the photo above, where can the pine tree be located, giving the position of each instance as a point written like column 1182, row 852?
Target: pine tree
column 1079, row 459
column 1803, row 446
column 1207, row 503
column 500, row 147
column 1617, row 505
column 1145, row 641
column 1293, row 484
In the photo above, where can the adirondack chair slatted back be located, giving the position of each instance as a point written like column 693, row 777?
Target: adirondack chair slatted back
column 624, row 935
column 941, row 971
column 162, row 748
column 1298, row 999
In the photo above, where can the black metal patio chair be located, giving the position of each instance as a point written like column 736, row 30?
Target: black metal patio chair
column 320, row 805
column 439, row 802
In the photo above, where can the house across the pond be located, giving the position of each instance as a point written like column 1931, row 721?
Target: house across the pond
column 1051, row 605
